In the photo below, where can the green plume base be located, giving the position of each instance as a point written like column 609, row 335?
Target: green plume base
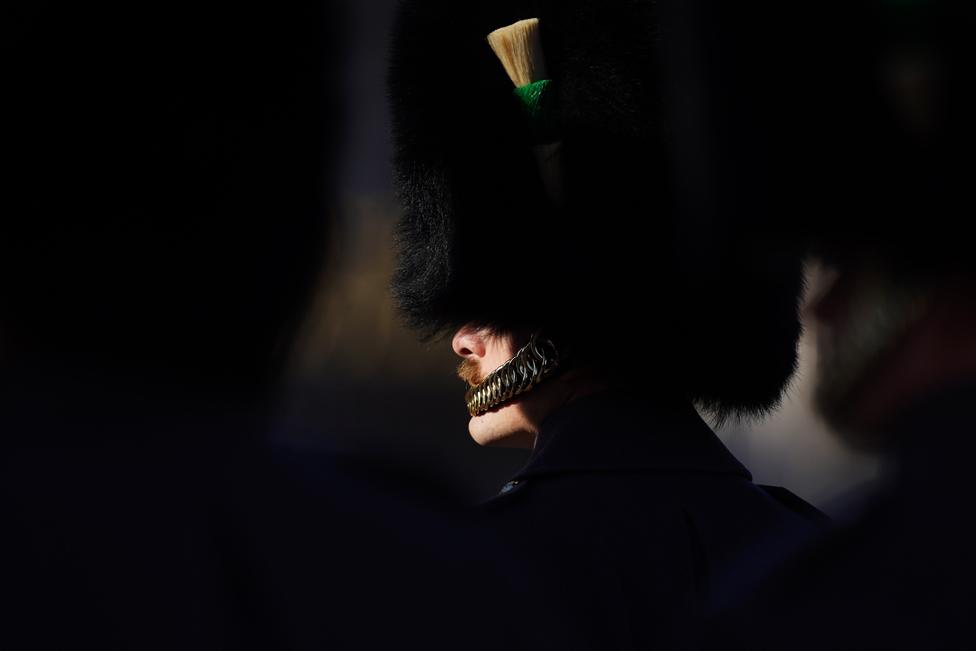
column 536, row 99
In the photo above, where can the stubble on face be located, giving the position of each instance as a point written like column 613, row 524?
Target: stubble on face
column 469, row 370
column 505, row 425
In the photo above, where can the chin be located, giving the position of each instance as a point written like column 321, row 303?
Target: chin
column 502, row 428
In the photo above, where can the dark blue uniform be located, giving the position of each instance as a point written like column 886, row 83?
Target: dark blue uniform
column 631, row 522
column 155, row 543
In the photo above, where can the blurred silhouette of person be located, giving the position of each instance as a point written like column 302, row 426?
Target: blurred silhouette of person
column 590, row 318
column 166, row 172
column 896, row 342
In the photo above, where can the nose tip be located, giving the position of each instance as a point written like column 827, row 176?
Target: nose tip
column 469, row 342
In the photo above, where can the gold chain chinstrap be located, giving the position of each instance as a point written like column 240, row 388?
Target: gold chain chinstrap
column 528, row 367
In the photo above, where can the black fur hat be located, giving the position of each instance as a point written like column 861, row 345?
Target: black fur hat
column 611, row 272
column 903, row 191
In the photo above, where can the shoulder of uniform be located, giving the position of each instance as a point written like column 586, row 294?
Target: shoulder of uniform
column 796, row 504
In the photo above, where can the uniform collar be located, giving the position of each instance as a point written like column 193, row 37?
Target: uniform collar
column 610, row 431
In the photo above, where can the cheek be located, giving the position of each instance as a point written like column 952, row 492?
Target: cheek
column 496, row 354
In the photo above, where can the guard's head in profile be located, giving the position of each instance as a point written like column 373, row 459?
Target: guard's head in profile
column 894, row 315
column 541, row 230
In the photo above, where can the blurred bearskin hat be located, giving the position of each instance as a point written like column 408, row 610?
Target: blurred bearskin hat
column 902, row 191
column 610, row 271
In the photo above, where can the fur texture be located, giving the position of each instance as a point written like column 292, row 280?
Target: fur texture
column 611, row 274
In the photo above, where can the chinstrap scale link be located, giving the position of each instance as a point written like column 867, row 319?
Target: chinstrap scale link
column 534, row 362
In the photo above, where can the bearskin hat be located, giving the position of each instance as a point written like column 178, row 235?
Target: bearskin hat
column 902, row 191
column 614, row 270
